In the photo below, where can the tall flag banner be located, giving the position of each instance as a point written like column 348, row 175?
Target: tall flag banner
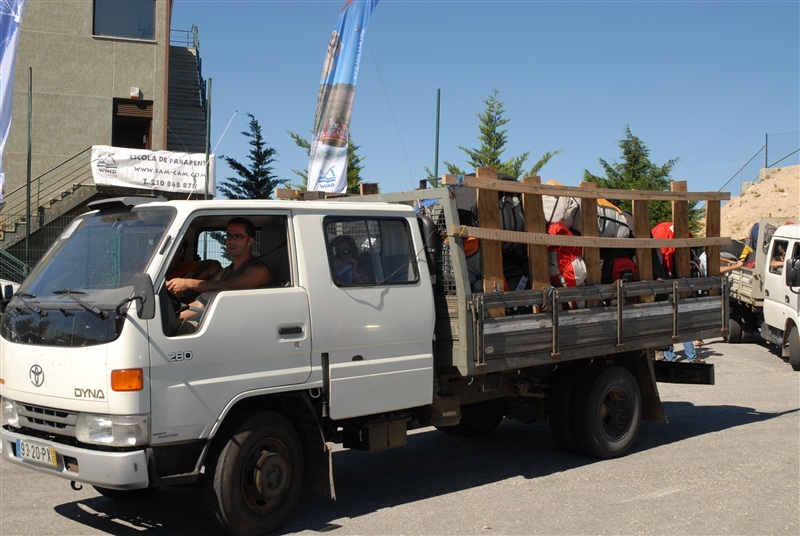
column 10, row 19
column 327, row 167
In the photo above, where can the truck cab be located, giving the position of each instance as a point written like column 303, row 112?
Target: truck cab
column 781, row 290
column 92, row 364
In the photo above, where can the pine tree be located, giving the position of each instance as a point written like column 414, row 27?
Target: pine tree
column 257, row 179
column 637, row 172
column 493, row 139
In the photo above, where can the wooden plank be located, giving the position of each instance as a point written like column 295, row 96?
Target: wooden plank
column 641, row 229
column 590, row 229
column 489, row 218
column 499, row 235
column 535, row 223
column 680, row 225
column 287, row 193
column 368, row 188
column 713, row 224
column 572, row 191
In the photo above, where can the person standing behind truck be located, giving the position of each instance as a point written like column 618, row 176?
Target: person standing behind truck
column 245, row 272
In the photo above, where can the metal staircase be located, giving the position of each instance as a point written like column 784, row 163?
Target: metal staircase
column 186, row 130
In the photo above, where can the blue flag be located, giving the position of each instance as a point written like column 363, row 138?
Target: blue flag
column 327, row 167
column 10, row 19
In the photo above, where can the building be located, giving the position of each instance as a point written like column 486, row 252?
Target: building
column 101, row 72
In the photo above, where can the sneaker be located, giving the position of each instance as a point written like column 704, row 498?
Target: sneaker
column 659, row 355
column 698, row 343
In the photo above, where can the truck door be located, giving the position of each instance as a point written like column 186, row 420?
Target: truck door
column 779, row 300
column 373, row 315
column 246, row 341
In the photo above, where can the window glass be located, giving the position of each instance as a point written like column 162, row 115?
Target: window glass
column 778, row 256
column 133, row 19
column 367, row 252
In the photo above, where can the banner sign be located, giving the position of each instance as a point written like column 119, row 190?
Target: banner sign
column 327, row 167
column 164, row 171
column 10, row 19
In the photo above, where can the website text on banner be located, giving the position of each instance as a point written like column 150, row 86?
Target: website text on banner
column 327, row 167
column 10, row 20
column 163, row 171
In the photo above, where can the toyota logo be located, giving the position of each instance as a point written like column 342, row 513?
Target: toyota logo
column 36, row 375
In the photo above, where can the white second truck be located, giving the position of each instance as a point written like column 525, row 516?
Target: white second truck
column 101, row 385
column 764, row 297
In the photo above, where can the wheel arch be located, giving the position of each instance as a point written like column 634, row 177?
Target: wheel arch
column 301, row 409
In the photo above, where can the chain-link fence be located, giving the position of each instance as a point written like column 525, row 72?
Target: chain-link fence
column 779, row 150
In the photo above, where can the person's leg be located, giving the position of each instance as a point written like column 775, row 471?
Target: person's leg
column 691, row 353
column 669, row 354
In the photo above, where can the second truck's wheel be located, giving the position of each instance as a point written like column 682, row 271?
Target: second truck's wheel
column 479, row 419
column 256, row 479
column 794, row 348
column 607, row 412
column 734, row 330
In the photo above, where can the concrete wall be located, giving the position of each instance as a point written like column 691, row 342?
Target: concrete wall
column 75, row 77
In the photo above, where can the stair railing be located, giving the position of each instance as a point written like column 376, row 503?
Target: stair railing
column 46, row 188
column 11, row 268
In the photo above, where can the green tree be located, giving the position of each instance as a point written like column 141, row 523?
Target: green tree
column 635, row 171
column 354, row 164
column 493, row 139
column 257, row 179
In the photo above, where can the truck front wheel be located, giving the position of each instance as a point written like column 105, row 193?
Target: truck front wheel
column 794, row 348
column 607, row 412
column 255, row 481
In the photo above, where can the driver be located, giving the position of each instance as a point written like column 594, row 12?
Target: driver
column 245, row 272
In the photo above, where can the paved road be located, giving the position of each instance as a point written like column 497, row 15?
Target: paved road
column 728, row 463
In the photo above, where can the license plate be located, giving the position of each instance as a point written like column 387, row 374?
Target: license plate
column 36, row 453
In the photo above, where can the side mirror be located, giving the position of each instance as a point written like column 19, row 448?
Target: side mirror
column 8, row 293
column 145, row 296
column 792, row 276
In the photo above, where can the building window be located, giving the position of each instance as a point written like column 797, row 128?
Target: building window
column 134, row 19
column 132, row 123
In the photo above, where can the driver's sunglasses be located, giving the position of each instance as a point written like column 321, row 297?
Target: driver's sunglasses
column 235, row 236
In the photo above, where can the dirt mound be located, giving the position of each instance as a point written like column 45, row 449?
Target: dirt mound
column 775, row 195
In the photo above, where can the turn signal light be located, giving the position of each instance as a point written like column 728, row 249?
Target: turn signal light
column 127, row 380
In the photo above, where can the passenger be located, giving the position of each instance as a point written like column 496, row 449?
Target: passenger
column 194, row 269
column 776, row 263
column 344, row 262
column 245, row 272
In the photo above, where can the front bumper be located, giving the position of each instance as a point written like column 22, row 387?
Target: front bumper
column 114, row 470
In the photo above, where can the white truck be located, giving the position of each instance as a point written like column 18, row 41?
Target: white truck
column 764, row 297
column 100, row 385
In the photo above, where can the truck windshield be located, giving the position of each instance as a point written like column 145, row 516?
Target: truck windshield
column 99, row 252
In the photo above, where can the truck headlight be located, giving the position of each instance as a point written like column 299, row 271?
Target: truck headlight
column 112, row 430
column 10, row 416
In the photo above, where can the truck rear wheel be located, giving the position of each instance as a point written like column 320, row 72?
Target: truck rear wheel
column 607, row 412
column 734, row 330
column 794, row 348
column 254, row 483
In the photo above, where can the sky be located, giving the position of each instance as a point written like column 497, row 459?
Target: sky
column 702, row 81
